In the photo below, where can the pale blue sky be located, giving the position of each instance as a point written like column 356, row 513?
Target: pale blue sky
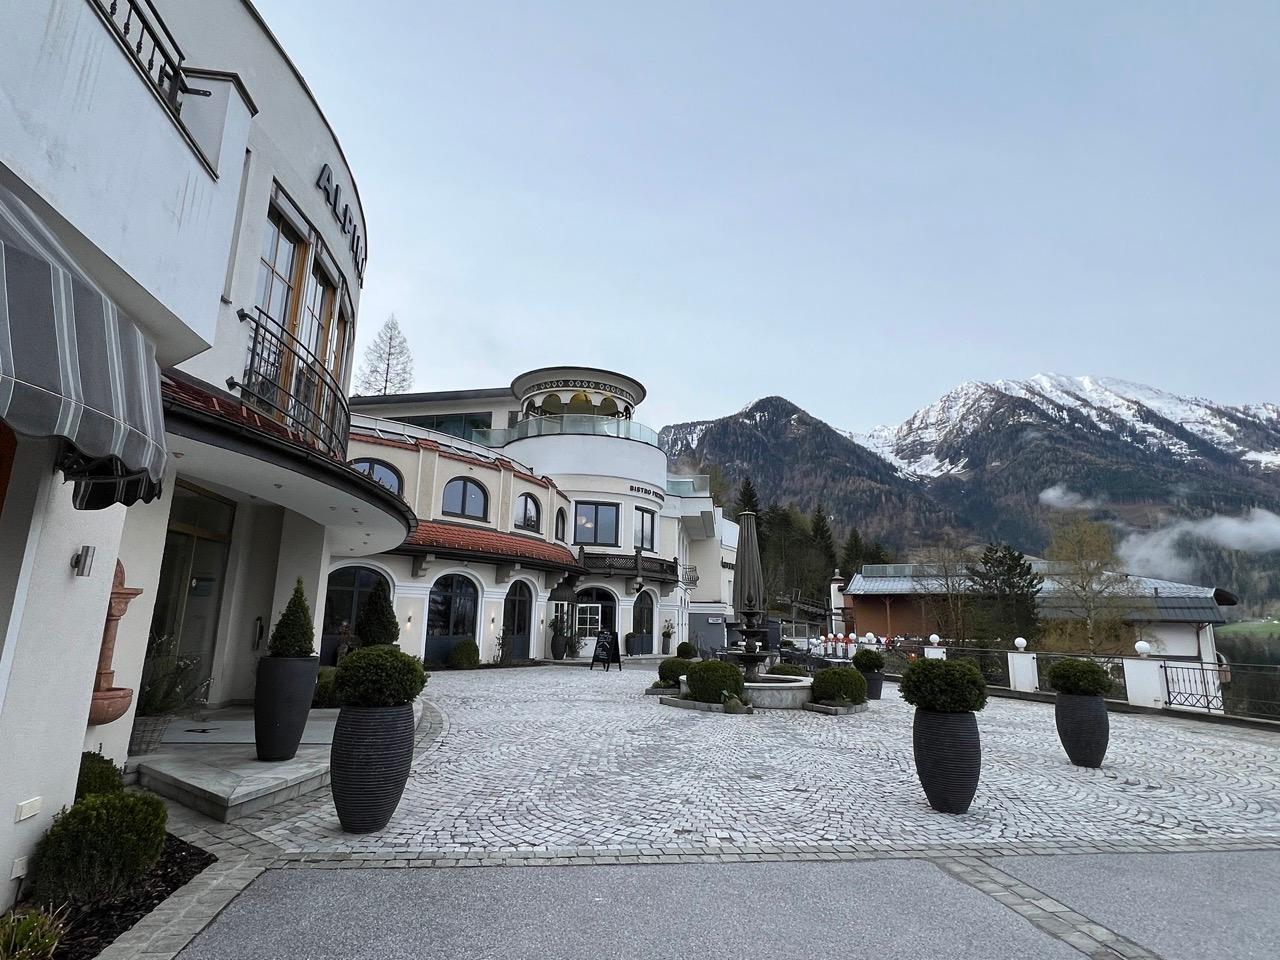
column 854, row 205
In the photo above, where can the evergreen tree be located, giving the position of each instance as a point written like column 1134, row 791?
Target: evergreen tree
column 851, row 557
column 388, row 364
column 1007, row 589
column 877, row 553
column 748, row 500
column 377, row 623
column 294, row 633
column 823, row 540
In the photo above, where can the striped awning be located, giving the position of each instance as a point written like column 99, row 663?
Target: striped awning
column 72, row 366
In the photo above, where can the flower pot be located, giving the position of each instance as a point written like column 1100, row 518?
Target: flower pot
column 369, row 764
column 147, row 734
column 948, row 758
column 281, row 702
column 1083, row 728
column 559, row 644
column 666, row 644
column 875, row 683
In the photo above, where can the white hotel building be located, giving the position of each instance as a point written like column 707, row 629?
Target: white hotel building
column 182, row 247
column 542, row 498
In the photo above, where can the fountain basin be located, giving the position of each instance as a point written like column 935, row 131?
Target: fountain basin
column 773, row 693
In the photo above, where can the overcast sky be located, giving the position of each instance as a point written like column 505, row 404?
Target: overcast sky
column 854, row 205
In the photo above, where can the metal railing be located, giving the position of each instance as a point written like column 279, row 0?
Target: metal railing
column 1234, row 689
column 568, row 424
column 151, row 45
column 689, row 574
column 993, row 664
column 287, row 381
column 1113, row 665
column 631, row 565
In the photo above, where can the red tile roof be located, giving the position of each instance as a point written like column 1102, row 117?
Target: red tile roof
column 458, row 538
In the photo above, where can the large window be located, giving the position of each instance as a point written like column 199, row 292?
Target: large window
column 349, row 589
column 455, row 424
column 464, row 497
column 278, row 270
column 644, row 528
column 562, row 523
column 596, row 523
column 451, row 615
column 381, row 471
column 528, row 513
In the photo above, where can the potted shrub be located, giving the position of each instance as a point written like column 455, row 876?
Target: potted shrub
column 373, row 741
column 714, row 681
column 870, row 663
column 630, row 640
column 286, row 681
column 668, row 631
column 1080, row 711
column 686, row 650
column 559, row 637
column 948, row 753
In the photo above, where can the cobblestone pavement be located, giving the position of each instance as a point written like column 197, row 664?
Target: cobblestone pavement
column 569, row 762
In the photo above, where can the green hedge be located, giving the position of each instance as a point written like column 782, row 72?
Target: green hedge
column 868, row 661
column 839, row 685
column 947, row 686
column 464, row 656
column 686, row 650
column 786, row 670
column 711, row 680
column 1083, row 678
column 672, row 669
column 379, row 676
column 98, row 850
column 97, row 775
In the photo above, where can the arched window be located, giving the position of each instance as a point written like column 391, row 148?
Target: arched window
column 464, row 497
column 581, row 403
column 562, row 524
column 528, row 513
column 552, row 405
column 608, row 408
column 451, row 615
column 381, row 471
column 349, row 588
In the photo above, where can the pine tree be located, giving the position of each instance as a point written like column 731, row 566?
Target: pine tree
column 388, row 364
column 851, row 557
column 1007, row 587
column 748, row 499
column 377, row 623
column 294, row 634
column 823, row 540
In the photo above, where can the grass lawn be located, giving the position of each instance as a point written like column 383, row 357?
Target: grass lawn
column 1249, row 628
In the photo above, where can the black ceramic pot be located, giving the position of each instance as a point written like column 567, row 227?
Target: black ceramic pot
column 1083, row 728
column 281, row 701
column 875, row 683
column 559, row 644
column 948, row 758
column 369, row 764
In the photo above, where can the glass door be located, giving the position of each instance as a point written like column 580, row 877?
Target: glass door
column 588, row 621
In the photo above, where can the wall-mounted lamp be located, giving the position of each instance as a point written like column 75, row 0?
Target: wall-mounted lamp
column 82, row 561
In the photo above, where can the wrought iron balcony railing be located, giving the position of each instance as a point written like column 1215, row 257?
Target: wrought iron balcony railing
column 152, row 46
column 630, row 565
column 689, row 574
column 287, row 381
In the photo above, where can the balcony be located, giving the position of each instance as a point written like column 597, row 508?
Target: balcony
column 284, row 379
column 568, row 425
column 149, row 42
column 653, row 569
column 689, row 575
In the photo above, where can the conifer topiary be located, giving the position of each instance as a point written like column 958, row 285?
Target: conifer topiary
column 294, row 634
column 377, row 624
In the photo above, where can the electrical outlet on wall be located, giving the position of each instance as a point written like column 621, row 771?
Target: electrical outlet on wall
column 27, row 808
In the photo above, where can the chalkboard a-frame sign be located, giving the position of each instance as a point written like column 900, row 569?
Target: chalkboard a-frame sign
column 606, row 651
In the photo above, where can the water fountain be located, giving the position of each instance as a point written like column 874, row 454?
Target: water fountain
column 749, row 605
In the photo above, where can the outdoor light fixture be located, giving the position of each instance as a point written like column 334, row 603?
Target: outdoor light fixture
column 82, row 561
column 1142, row 647
column 1020, row 643
column 935, row 639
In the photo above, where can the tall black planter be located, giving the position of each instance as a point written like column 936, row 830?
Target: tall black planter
column 1083, row 728
column 875, row 684
column 369, row 764
column 559, row 644
column 281, row 702
column 948, row 758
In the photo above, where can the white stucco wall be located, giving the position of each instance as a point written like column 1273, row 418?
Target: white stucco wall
column 555, row 456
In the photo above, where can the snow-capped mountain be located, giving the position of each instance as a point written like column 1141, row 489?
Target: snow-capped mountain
column 931, row 442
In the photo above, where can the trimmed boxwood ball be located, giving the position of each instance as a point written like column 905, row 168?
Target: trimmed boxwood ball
column 686, row 650
column 464, row 656
column 381, row 676
column 786, row 670
column 1081, row 678
column 839, row 685
column 97, row 775
column 98, row 850
column 672, row 669
column 711, row 680
column 868, row 661
column 945, row 686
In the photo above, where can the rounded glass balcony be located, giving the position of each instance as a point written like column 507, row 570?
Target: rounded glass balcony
column 568, row 424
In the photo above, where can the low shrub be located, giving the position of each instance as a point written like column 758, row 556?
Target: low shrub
column 1082, row 678
column 30, row 934
column 868, row 661
column 710, row 681
column 97, row 775
column 839, row 686
column 98, row 850
column 464, row 656
column 671, row 670
column 947, row 686
column 786, row 670
column 326, row 695
column 379, row 676
column 686, row 650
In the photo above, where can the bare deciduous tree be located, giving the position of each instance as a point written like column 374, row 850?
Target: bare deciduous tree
column 1097, row 594
column 388, row 364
